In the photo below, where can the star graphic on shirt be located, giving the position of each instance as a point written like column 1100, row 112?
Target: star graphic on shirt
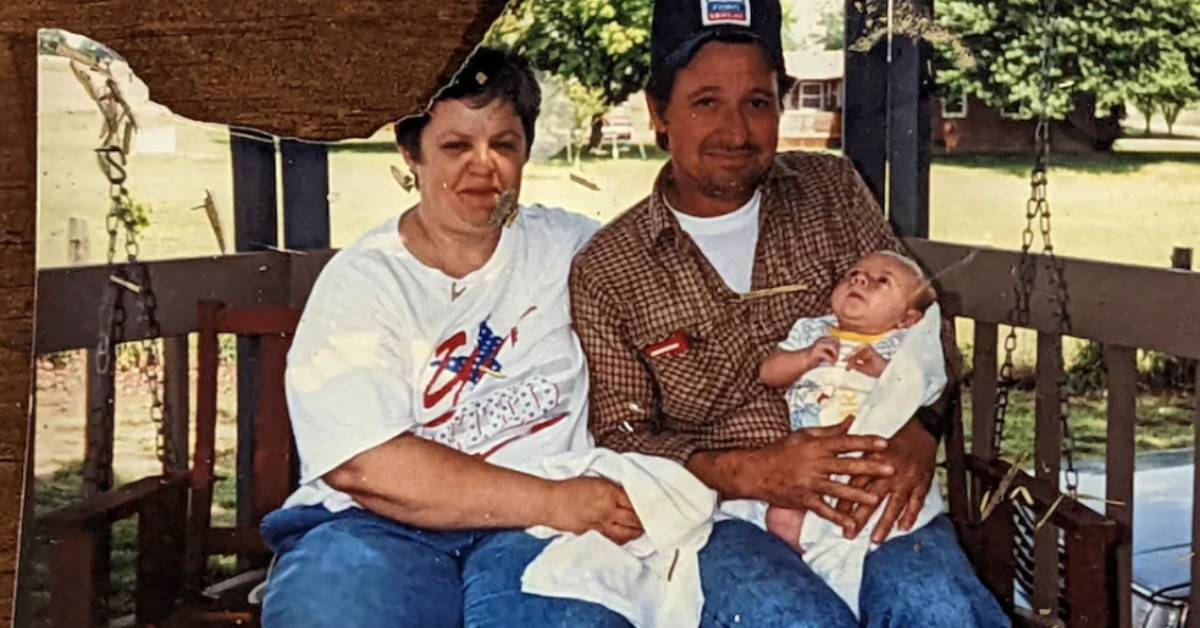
column 488, row 345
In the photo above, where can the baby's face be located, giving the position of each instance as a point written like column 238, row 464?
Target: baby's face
column 876, row 295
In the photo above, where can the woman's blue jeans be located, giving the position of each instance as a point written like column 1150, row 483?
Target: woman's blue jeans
column 354, row 568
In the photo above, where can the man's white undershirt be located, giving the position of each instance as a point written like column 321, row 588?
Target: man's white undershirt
column 728, row 241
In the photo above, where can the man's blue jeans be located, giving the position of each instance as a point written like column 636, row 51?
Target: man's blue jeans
column 354, row 568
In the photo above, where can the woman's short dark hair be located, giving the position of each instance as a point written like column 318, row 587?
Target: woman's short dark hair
column 489, row 74
column 662, row 78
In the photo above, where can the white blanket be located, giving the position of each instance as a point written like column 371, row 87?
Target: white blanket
column 651, row 581
column 915, row 377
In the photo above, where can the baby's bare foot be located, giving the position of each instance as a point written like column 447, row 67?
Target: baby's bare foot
column 786, row 524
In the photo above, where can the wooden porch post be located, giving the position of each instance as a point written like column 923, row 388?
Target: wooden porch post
column 864, row 108
column 18, row 206
column 305, row 195
column 886, row 117
column 909, row 88
column 256, row 223
column 305, row 206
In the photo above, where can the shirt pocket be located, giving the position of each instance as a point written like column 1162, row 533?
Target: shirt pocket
column 693, row 383
column 780, row 312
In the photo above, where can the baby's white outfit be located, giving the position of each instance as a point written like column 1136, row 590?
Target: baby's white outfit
column 915, row 377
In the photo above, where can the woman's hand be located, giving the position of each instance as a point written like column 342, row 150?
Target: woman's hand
column 581, row 504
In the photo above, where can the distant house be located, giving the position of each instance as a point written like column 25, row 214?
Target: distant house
column 964, row 124
column 812, row 116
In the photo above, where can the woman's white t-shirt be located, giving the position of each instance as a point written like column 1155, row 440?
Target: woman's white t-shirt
column 487, row 364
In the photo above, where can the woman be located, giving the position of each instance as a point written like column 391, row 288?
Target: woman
column 433, row 368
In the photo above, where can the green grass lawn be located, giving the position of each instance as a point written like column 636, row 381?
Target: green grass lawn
column 1164, row 421
column 1121, row 207
column 1128, row 208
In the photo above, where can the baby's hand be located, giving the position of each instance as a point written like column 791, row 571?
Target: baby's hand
column 866, row 360
column 823, row 352
column 782, row 368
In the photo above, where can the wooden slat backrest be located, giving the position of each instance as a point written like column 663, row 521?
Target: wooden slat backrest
column 203, row 473
column 1088, row 562
column 1131, row 306
column 273, row 451
column 983, row 389
column 1120, row 365
column 1125, row 308
column 1047, row 461
column 274, row 459
column 1194, row 597
column 1089, row 583
column 956, row 482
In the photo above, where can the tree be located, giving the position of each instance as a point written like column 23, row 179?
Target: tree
column 1167, row 86
column 1105, row 52
column 831, row 29
column 1146, row 106
column 789, row 25
column 602, row 47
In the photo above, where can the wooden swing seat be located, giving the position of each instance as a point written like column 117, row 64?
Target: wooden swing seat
column 176, row 535
column 1076, row 565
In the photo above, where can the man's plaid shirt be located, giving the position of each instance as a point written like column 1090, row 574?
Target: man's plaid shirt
column 642, row 281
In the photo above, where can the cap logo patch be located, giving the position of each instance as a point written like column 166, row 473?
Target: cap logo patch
column 735, row 12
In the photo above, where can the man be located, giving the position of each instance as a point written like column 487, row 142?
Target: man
column 678, row 301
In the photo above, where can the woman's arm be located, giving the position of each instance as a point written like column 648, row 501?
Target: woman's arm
column 428, row 485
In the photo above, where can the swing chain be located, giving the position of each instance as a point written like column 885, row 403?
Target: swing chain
column 1037, row 208
column 112, row 157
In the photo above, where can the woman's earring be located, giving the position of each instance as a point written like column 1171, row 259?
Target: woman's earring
column 406, row 181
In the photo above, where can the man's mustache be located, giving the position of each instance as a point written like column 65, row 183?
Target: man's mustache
column 748, row 149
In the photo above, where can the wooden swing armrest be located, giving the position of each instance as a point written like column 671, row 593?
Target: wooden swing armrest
column 78, row 531
column 100, row 511
column 1070, row 515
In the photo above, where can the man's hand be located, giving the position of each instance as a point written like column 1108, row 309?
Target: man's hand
column 866, row 360
column 582, row 504
column 912, row 452
column 794, row 471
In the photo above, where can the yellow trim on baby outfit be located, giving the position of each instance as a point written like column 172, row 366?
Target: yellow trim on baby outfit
column 853, row 336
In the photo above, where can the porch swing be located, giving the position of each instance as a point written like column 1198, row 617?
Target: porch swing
column 1023, row 533
column 1046, row 556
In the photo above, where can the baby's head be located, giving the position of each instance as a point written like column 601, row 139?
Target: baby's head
column 883, row 291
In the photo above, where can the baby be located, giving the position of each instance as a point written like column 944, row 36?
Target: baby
column 830, row 364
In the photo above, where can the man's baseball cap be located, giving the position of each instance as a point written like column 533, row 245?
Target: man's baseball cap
column 681, row 27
